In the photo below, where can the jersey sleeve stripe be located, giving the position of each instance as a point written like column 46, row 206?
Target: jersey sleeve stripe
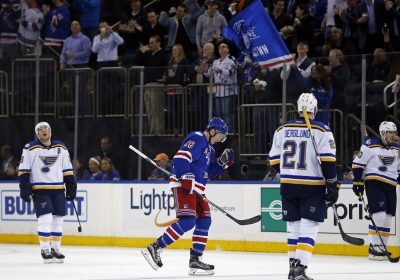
column 184, row 155
column 328, row 159
column 274, row 162
column 68, row 173
column 358, row 165
column 20, row 173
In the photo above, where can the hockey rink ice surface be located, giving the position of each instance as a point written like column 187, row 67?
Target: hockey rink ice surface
column 24, row 262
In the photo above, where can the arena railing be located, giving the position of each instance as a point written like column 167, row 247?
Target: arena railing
column 4, row 104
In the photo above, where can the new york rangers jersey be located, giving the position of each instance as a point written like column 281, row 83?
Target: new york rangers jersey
column 293, row 151
column 196, row 156
column 47, row 166
column 377, row 162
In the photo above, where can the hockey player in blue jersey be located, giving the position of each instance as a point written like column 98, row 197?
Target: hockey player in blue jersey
column 377, row 165
column 194, row 164
column 307, row 186
column 44, row 169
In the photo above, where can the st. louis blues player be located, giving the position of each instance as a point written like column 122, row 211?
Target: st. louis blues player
column 377, row 165
column 306, row 184
column 44, row 169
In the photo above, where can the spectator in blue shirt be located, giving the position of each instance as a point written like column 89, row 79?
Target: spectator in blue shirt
column 94, row 173
column 106, row 45
column 77, row 48
column 109, row 172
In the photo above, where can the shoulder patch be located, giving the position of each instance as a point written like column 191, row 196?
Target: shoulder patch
column 368, row 142
column 359, row 155
column 27, row 145
column 198, row 133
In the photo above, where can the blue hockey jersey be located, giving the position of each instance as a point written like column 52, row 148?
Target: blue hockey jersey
column 196, row 156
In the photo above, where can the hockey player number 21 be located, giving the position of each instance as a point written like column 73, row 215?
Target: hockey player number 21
column 293, row 152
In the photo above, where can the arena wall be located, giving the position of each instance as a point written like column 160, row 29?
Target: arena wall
column 123, row 214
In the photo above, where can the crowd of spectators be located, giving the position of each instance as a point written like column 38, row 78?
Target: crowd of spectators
column 183, row 42
column 178, row 35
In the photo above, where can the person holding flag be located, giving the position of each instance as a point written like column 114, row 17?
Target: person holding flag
column 254, row 33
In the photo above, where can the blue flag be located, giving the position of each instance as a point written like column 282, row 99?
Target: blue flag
column 254, row 33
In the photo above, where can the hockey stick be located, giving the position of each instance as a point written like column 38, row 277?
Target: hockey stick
column 349, row 239
column 76, row 212
column 249, row 221
column 393, row 260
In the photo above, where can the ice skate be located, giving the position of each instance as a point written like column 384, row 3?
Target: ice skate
column 58, row 257
column 47, row 256
column 291, row 269
column 199, row 268
column 299, row 271
column 153, row 255
column 376, row 253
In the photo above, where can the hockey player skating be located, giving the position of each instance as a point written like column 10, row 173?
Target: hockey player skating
column 193, row 164
column 377, row 165
column 306, row 187
column 44, row 169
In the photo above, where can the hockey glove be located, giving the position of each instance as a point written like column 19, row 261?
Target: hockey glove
column 332, row 192
column 226, row 159
column 358, row 188
column 26, row 194
column 187, row 182
column 25, row 187
column 71, row 189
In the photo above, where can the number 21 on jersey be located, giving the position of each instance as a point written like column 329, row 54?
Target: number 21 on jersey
column 294, row 156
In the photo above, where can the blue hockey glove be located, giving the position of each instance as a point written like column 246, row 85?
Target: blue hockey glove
column 187, row 182
column 26, row 194
column 227, row 158
column 358, row 188
column 332, row 192
column 71, row 192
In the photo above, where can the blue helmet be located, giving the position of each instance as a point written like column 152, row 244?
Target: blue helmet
column 219, row 125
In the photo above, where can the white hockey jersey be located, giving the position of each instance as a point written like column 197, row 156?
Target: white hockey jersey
column 377, row 162
column 293, row 150
column 47, row 165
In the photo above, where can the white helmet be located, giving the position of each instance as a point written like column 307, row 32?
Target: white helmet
column 41, row 125
column 308, row 102
column 387, row 127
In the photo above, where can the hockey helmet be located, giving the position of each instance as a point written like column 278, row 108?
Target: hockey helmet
column 307, row 102
column 385, row 127
column 219, row 125
column 41, row 125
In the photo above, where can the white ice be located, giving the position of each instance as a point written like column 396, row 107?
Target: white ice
column 24, row 262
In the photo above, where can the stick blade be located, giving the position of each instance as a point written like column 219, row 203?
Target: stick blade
column 351, row 239
column 249, row 221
